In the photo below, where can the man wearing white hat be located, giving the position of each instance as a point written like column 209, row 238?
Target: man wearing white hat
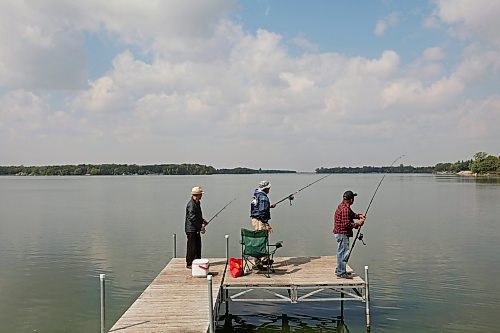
column 260, row 211
column 260, row 207
column 193, row 226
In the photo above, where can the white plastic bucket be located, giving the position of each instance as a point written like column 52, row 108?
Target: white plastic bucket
column 200, row 267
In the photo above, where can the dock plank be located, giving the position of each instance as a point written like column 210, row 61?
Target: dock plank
column 174, row 302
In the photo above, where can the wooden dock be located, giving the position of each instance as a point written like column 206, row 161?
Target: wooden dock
column 174, row 302
column 177, row 302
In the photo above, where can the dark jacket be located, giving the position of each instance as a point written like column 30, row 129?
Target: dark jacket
column 194, row 216
column 260, row 208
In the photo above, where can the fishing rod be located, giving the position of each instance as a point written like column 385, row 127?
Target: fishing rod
column 203, row 229
column 359, row 235
column 290, row 197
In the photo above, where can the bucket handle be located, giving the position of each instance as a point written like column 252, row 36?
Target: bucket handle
column 204, row 267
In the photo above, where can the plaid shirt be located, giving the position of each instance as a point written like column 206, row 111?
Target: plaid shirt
column 343, row 220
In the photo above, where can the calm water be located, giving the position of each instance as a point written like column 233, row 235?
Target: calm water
column 433, row 247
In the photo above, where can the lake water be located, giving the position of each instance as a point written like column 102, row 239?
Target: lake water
column 433, row 248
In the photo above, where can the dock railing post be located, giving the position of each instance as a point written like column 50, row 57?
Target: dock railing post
column 367, row 298
column 175, row 246
column 210, row 304
column 227, row 249
column 102, row 278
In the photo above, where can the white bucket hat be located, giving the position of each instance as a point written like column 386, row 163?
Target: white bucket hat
column 197, row 190
column 264, row 184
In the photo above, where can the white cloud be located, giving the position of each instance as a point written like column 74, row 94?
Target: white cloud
column 479, row 17
column 42, row 42
column 24, row 114
column 380, row 28
column 302, row 42
column 383, row 24
column 480, row 119
column 433, row 54
column 431, row 22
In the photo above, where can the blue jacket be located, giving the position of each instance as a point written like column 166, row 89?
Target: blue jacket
column 260, row 208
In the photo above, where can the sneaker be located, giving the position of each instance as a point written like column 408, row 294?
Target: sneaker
column 345, row 276
column 348, row 273
column 188, row 266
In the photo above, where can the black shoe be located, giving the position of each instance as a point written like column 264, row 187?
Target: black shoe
column 267, row 261
column 345, row 276
column 259, row 267
column 188, row 266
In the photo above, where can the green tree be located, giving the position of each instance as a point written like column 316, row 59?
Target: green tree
column 485, row 164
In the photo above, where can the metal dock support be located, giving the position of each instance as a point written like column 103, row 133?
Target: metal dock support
column 174, row 248
column 367, row 299
column 102, row 279
column 210, row 305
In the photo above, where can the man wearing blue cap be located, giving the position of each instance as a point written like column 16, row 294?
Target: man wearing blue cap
column 342, row 228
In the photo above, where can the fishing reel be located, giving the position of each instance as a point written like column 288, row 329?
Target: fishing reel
column 360, row 237
column 290, row 198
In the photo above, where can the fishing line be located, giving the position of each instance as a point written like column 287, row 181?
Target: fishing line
column 359, row 235
column 216, row 214
column 291, row 196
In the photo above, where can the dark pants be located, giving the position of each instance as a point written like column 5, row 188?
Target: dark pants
column 193, row 248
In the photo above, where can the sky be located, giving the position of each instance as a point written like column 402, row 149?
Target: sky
column 276, row 84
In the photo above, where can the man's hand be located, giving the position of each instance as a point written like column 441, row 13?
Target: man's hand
column 273, row 205
column 362, row 216
column 269, row 228
column 204, row 223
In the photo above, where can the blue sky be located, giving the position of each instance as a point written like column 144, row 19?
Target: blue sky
column 271, row 84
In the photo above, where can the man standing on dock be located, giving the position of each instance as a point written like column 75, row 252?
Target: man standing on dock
column 342, row 228
column 260, row 207
column 193, row 226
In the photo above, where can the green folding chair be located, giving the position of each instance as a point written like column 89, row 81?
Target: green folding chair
column 255, row 244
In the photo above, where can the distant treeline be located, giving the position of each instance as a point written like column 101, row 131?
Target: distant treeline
column 126, row 169
column 482, row 164
column 251, row 171
column 373, row 169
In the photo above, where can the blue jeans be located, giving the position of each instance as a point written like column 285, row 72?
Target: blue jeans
column 342, row 251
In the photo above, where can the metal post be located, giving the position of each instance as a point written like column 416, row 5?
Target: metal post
column 285, row 326
column 367, row 298
column 227, row 248
column 210, row 304
column 102, row 278
column 227, row 300
column 175, row 246
column 342, row 307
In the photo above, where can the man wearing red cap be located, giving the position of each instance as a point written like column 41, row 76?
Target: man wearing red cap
column 342, row 228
